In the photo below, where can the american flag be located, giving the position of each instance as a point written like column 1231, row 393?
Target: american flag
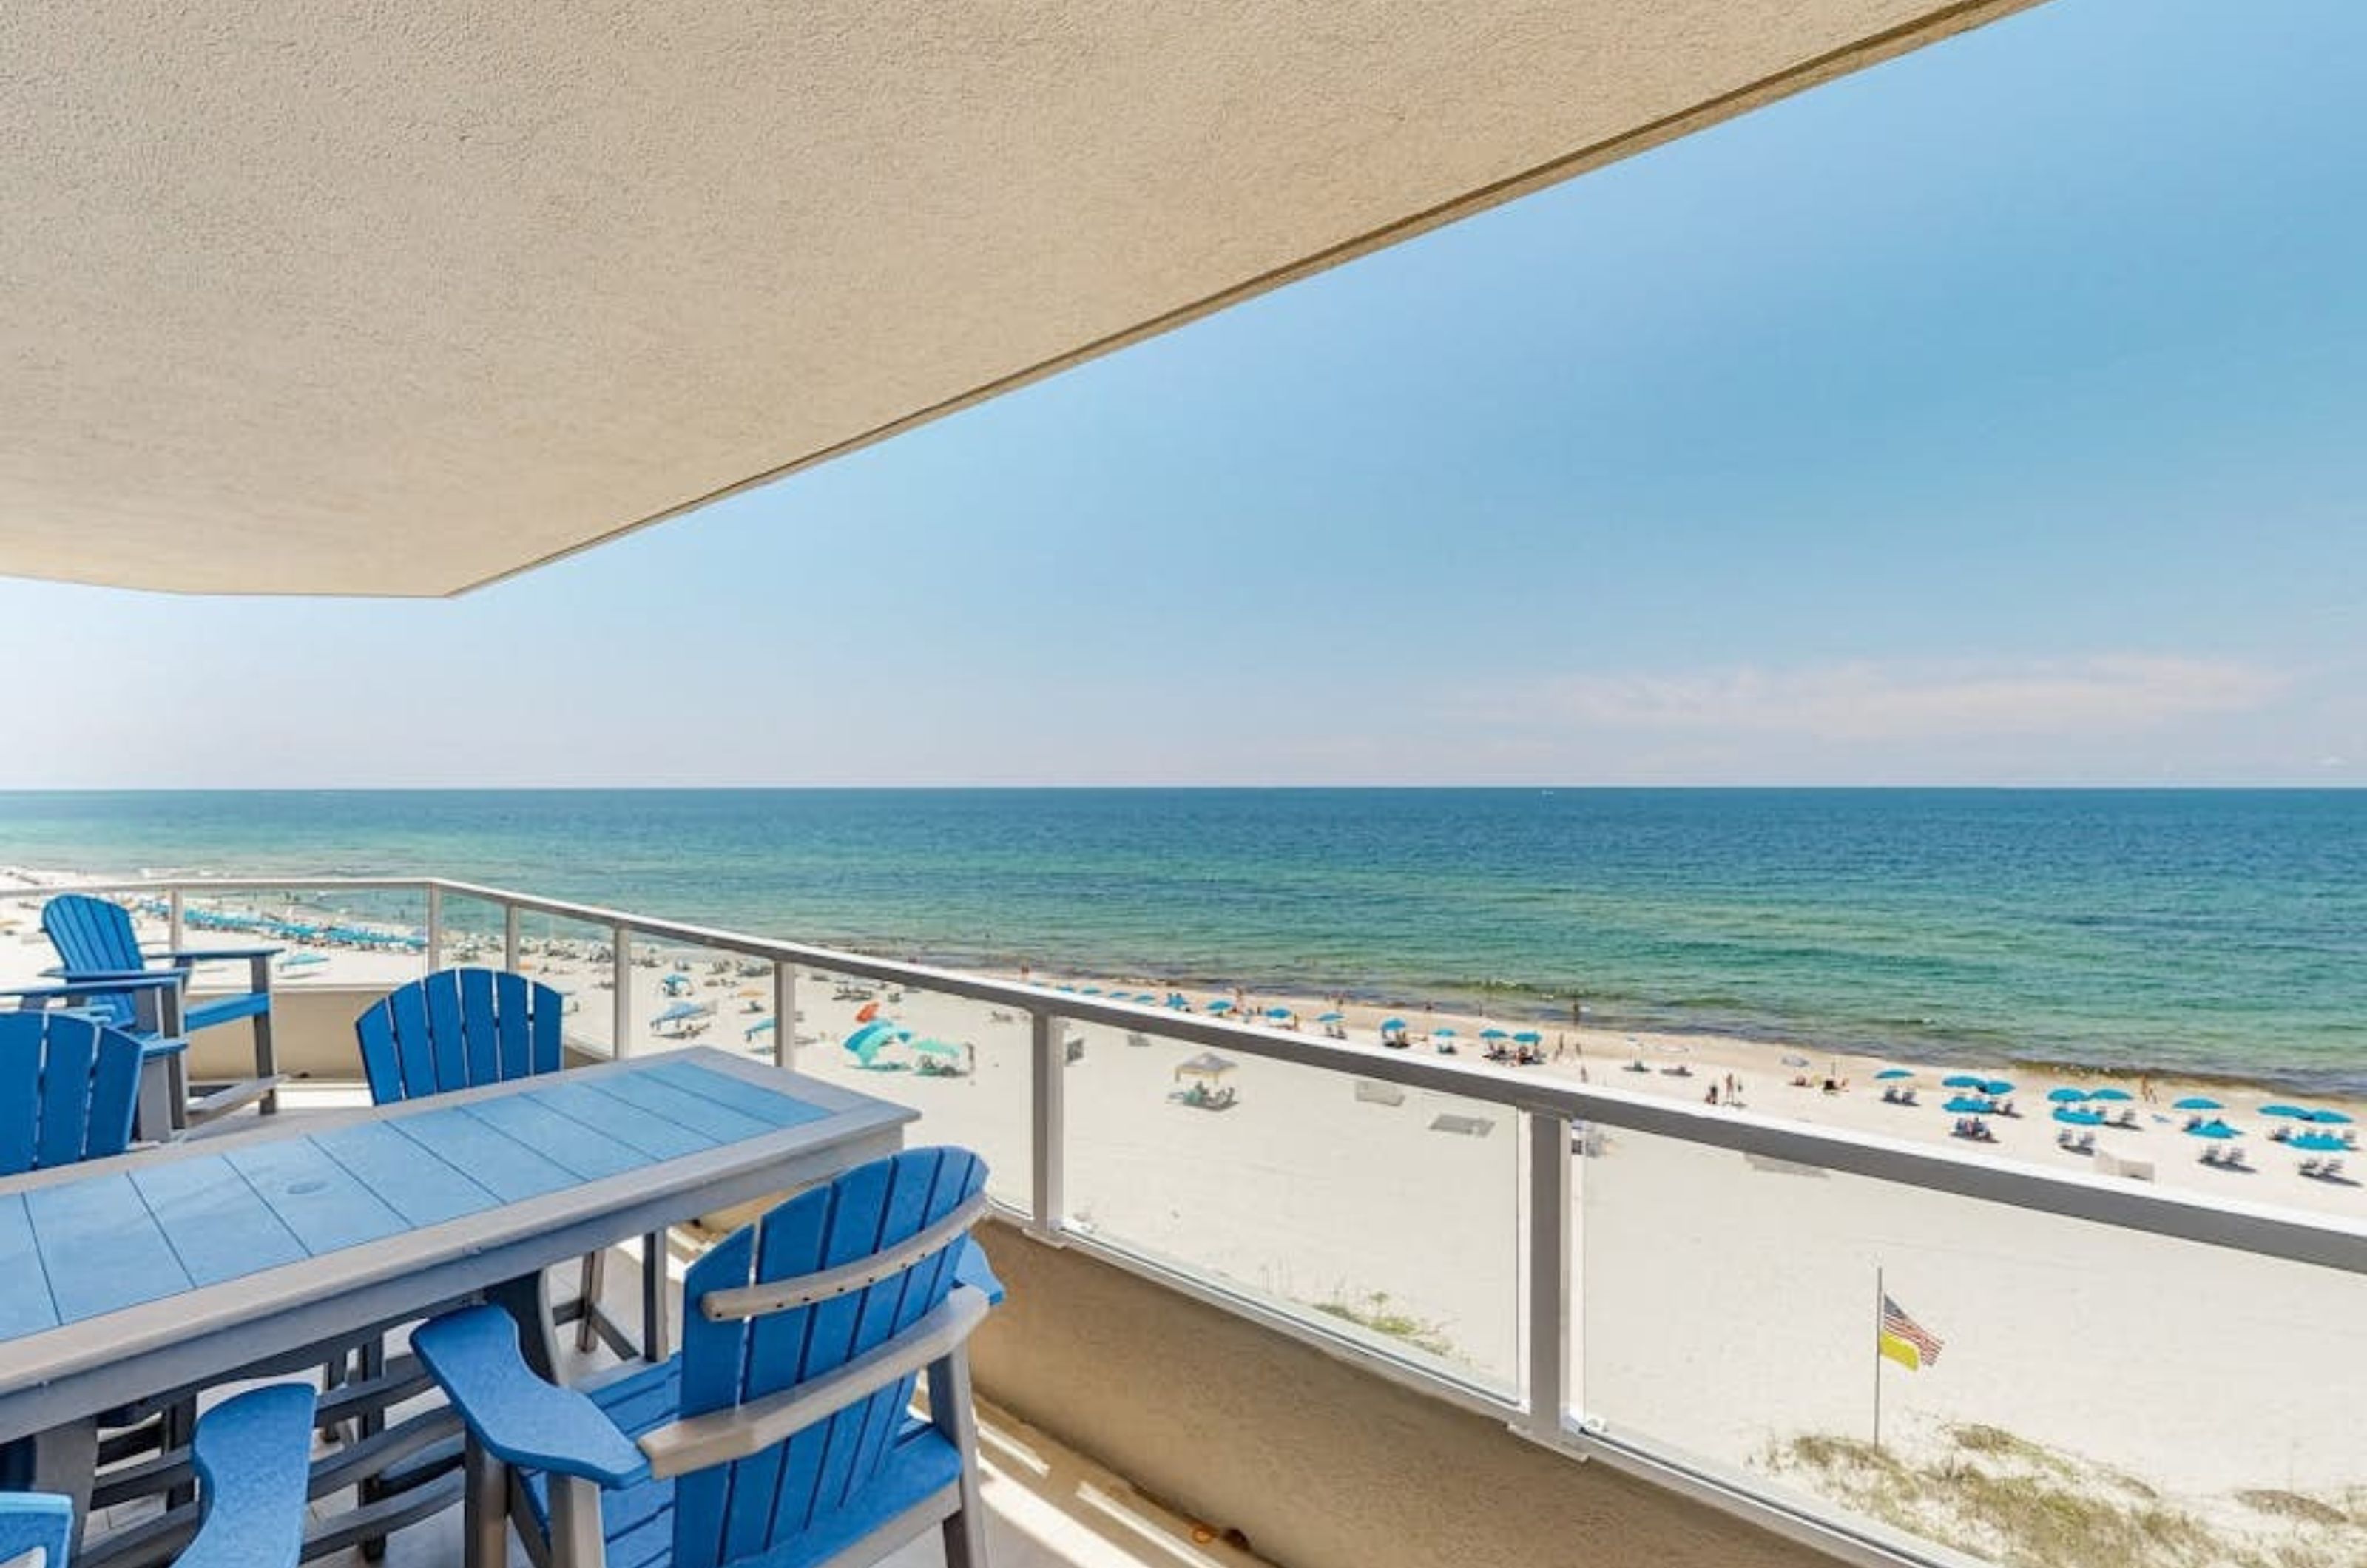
column 1896, row 1321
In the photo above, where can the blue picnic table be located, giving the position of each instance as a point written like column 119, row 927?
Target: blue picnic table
column 169, row 1270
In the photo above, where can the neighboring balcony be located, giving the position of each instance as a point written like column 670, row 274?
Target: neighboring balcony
column 1339, row 1305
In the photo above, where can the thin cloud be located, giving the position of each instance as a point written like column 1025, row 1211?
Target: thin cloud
column 1862, row 702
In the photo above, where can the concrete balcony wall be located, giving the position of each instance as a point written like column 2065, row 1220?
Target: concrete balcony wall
column 1316, row 1462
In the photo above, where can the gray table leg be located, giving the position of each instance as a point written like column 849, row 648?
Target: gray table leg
column 528, row 1300
column 65, row 1460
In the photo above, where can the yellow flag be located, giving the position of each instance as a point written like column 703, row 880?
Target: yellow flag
column 1902, row 1351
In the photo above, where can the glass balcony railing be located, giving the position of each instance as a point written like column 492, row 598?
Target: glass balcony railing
column 1905, row 1354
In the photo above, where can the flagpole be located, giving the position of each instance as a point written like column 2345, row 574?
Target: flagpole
column 1877, row 1356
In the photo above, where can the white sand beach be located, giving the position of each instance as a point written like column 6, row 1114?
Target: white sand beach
column 1725, row 1305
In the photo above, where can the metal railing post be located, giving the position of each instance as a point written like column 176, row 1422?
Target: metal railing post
column 175, row 923
column 620, row 965
column 1547, row 1285
column 510, row 937
column 435, row 928
column 1048, row 1082
column 785, row 1014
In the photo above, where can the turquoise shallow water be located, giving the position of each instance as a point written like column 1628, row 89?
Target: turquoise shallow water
column 2213, row 932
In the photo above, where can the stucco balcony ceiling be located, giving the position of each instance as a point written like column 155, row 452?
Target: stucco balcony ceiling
column 313, row 298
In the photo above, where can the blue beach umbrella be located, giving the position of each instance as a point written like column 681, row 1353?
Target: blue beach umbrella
column 2328, row 1117
column 1997, row 1087
column 1441, row 1034
column 1330, row 1017
column 1493, row 1034
column 870, row 1037
column 2071, row 1118
column 2196, row 1102
column 1220, row 1005
column 1896, row 1073
column 2317, row 1143
column 1963, row 1080
column 1390, row 1024
column 677, row 1011
column 2066, row 1096
column 2112, row 1094
column 1277, row 1012
column 2294, row 1110
column 1528, row 1037
column 1966, row 1105
column 2211, row 1130
column 1146, row 999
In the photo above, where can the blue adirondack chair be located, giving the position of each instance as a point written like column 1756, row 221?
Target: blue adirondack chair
column 459, row 1028
column 160, row 1055
column 68, row 1085
column 253, row 1456
column 782, row 1437
column 95, row 944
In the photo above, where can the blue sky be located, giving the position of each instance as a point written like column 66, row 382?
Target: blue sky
column 1997, row 415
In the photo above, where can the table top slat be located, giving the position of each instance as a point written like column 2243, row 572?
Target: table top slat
column 318, row 1200
column 424, row 1190
column 611, row 1118
column 712, row 1117
column 568, row 1144
column 215, row 1221
column 749, row 1099
column 495, row 1161
column 102, row 1248
column 26, row 1305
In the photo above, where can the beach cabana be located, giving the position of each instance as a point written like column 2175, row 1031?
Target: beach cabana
column 1208, row 1067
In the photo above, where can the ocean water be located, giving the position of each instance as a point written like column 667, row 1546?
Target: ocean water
column 2211, row 931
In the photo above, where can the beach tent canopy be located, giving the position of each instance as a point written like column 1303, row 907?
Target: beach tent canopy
column 1206, row 1064
column 306, row 301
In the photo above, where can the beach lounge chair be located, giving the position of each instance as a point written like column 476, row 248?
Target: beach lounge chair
column 252, row 1454
column 2331, row 1169
column 460, row 1028
column 783, row 1435
column 2309, row 1166
column 95, row 942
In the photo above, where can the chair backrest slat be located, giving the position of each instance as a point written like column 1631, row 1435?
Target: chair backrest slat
column 757, row 1504
column 480, row 1017
column 445, row 1040
column 67, row 1090
column 457, row 1029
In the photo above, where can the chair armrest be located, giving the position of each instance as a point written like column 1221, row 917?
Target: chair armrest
column 33, row 1521
column 255, row 1468
column 88, row 986
column 209, row 954
column 696, row 1443
column 118, row 977
column 971, row 1269
column 520, row 1418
